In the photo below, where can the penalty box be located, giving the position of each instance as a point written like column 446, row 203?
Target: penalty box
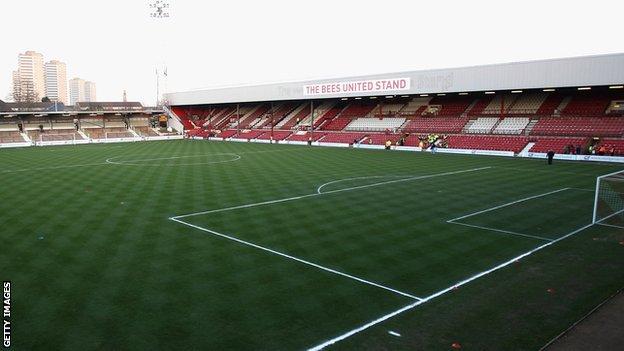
column 547, row 216
column 374, row 236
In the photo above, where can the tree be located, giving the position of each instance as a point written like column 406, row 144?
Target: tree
column 24, row 91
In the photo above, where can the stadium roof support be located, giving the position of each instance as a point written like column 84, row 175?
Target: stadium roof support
column 599, row 70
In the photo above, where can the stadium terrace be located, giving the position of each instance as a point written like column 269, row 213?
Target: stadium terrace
column 518, row 109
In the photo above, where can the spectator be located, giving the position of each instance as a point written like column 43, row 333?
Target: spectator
column 550, row 155
column 578, row 149
column 602, row 150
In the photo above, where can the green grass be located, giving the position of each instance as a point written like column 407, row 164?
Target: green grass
column 97, row 264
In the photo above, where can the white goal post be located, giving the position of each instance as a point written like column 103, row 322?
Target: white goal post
column 609, row 200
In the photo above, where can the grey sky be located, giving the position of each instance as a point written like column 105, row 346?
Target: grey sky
column 213, row 43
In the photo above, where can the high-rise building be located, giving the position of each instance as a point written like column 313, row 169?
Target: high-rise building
column 76, row 90
column 89, row 88
column 56, row 81
column 29, row 79
column 81, row 91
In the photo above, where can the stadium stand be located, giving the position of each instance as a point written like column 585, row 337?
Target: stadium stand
column 388, row 109
column 54, row 135
column 141, row 126
column 483, row 142
column 587, row 104
column 325, row 113
column 556, row 144
column 305, row 136
column 480, row 105
column 227, row 133
column 380, row 139
column 353, row 110
column 347, row 138
column 616, row 144
column 296, row 116
column 449, row 106
column 436, row 125
column 412, row 140
column 500, row 104
column 616, row 108
column 550, row 104
column 248, row 134
column 108, row 133
column 579, row 126
column 415, row 107
column 277, row 135
column 184, row 118
column 10, row 136
column 527, row 103
column 253, row 116
column 482, row 125
column 375, row 124
column 276, row 115
column 511, row 125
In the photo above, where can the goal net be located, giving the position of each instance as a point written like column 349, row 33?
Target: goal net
column 609, row 200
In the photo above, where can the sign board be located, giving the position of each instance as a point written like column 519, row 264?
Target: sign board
column 380, row 86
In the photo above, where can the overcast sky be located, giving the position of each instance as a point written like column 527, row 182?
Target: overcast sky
column 116, row 44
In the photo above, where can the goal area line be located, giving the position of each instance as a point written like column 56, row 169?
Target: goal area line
column 503, row 231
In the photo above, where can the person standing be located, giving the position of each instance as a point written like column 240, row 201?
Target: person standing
column 550, row 155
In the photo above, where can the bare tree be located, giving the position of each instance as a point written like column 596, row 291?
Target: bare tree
column 24, row 91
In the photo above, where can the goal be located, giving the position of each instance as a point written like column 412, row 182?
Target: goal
column 609, row 200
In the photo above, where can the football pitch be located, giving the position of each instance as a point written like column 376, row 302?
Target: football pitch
column 211, row 245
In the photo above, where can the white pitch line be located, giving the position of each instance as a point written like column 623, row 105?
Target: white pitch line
column 296, row 259
column 610, row 225
column 502, row 231
column 507, row 204
column 318, row 190
column 328, row 192
column 134, row 162
column 441, row 292
column 611, row 215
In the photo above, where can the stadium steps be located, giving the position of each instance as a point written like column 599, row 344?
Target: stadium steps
column 468, row 125
column 25, row 137
column 495, row 125
column 83, row 135
column 472, row 104
column 527, row 148
column 530, row 126
column 134, row 133
column 291, row 117
column 562, row 106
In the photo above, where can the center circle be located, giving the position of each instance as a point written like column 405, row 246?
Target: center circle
column 157, row 161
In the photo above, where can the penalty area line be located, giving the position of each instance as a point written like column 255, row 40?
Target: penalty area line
column 266, row 249
column 508, row 204
column 319, row 193
column 501, row 231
